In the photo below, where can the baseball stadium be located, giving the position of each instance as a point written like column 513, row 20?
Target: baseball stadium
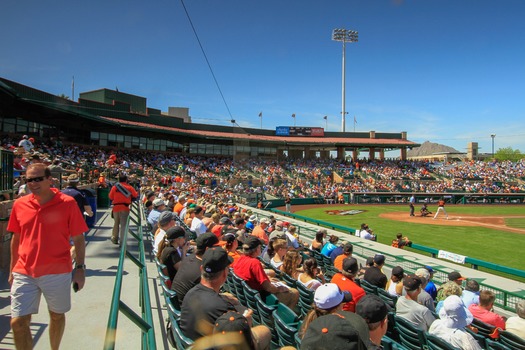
column 460, row 215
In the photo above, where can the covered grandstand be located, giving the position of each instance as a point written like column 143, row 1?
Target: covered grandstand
column 110, row 118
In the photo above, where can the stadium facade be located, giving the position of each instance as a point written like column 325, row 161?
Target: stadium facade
column 110, row 118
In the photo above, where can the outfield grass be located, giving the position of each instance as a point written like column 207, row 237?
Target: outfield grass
column 496, row 246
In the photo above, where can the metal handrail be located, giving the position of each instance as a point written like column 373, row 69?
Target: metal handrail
column 145, row 320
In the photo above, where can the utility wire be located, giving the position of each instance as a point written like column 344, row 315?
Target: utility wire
column 206, row 58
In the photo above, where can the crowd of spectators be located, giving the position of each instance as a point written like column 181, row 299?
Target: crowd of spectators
column 293, row 178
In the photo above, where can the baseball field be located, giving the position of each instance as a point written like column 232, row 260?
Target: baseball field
column 493, row 233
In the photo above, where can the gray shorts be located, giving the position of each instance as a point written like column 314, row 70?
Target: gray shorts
column 26, row 292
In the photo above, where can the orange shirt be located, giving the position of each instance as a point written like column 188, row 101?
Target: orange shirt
column 338, row 262
column 259, row 233
column 119, row 199
column 178, row 208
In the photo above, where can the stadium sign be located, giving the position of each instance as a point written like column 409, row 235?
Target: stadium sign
column 460, row 259
column 298, row 131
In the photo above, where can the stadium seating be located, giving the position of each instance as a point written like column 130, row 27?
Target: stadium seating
column 410, row 336
column 181, row 340
column 369, row 288
column 239, row 288
column 389, row 299
column 306, row 299
column 289, row 280
column 484, row 329
column 511, row 340
column 436, row 343
column 286, row 325
column 266, row 309
column 495, row 345
column 251, row 302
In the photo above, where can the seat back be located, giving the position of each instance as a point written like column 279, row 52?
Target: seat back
column 171, row 296
column 289, row 280
column 511, row 340
column 239, row 288
column 410, row 336
column 484, row 329
column 495, row 345
column 251, row 302
column 306, row 299
column 266, row 309
column 389, row 299
column 319, row 259
column 182, row 341
column 436, row 343
column 286, row 325
column 369, row 288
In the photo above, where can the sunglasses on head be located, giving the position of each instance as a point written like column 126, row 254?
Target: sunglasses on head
column 35, row 179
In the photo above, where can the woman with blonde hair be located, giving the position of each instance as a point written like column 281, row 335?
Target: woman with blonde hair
column 292, row 261
column 280, row 247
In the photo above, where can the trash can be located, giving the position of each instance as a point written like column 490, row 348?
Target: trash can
column 91, row 197
column 103, row 197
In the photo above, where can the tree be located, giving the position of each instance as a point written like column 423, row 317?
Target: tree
column 63, row 96
column 508, row 153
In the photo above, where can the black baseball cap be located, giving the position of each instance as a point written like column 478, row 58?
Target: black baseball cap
column 411, row 282
column 372, row 308
column 332, row 332
column 215, row 259
column 206, row 240
column 350, row 265
column 175, row 232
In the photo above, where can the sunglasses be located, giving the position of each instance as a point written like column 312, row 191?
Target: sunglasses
column 35, row 179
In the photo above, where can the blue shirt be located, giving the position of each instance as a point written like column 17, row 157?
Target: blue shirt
column 431, row 289
column 327, row 249
column 469, row 298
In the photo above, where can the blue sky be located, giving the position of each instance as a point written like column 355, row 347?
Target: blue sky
column 445, row 71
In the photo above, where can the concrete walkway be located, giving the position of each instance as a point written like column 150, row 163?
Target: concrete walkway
column 87, row 321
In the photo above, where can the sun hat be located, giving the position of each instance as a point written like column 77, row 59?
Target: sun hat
column 454, row 314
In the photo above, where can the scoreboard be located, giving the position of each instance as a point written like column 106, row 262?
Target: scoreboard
column 298, row 131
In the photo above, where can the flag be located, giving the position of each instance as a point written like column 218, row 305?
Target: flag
column 325, row 117
column 293, row 115
column 355, row 120
column 260, row 114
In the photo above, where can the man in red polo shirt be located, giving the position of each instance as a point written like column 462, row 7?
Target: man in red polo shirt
column 249, row 268
column 43, row 223
column 121, row 195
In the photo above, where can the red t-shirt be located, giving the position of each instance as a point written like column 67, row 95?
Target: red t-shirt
column 250, row 270
column 44, row 233
column 487, row 316
column 345, row 284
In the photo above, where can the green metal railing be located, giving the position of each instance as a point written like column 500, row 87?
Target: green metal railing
column 145, row 320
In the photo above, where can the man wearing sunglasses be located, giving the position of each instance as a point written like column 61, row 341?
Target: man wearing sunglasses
column 43, row 223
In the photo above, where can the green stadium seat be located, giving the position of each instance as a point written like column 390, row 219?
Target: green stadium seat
column 410, row 336
column 286, row 324
column 511, row 340
column 436, row 343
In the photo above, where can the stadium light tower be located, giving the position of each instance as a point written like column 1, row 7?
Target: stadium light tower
column 345, row 36
column 493, row 136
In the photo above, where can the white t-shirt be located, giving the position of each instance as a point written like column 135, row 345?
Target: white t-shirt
column 159, row 238
column 198, row 226
column 455, row 336
column 516, row 325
